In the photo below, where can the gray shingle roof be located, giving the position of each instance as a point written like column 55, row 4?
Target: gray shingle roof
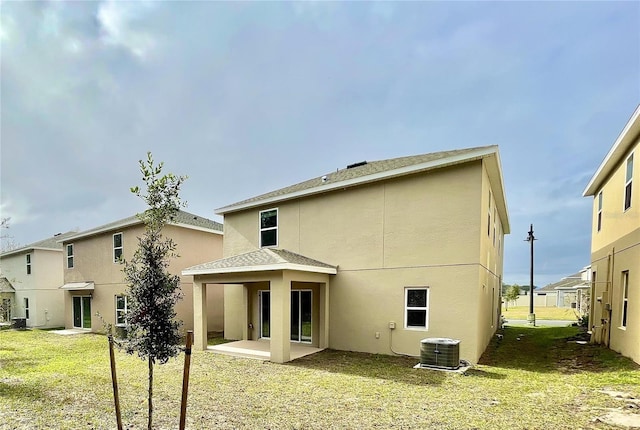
column 48, row 243
column 568, row 282
column 363, row 170
column 182, row 217
column 5, row 286
column 266, row 258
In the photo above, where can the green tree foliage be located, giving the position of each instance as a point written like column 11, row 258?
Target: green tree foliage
column 512, row 294
column 152, row 330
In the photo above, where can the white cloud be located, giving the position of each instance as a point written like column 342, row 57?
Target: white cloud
column 117, row 20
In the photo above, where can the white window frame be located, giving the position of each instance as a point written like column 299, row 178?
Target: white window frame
column 628, row 183
column 69, row 247
column 28, row 260
column 260, row 229
column 416, row 308
column 25, row 301
column 121, row 247
column 599, row 214
column 124, row 310
column 489, row 217
column 624, row 313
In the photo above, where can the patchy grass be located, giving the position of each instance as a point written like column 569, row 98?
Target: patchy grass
column 538, row 382
column 542, row 313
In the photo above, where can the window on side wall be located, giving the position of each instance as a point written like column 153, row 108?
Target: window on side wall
column 117, row 247
column 625, row 297
column 269, row 228
column 416, row 312
column 26, row 307
column 28, row 264
column 121, row 310
column 628, row 183
column 599, row 210
column 70, row 256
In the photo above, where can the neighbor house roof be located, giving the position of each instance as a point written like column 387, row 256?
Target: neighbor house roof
column 367, row 172
column 182, row 219
column 5, row 286
column 262, row 260
column 569, row 282
column 616, row 154
column 52, row 243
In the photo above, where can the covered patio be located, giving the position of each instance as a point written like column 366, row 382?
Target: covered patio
column 262, row 288
column 260, row 349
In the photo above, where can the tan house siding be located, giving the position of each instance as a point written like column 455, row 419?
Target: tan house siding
column 46, row 303
column 420, row 230
column 94, row 262
column 615, row 246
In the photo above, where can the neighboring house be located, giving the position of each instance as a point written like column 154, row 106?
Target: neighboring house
column 7, row 298
column 94, row 278
column 615, row 244
column 569, row 292
column 371, row 258
column 34, row 272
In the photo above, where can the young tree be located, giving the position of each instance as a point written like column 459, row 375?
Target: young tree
column 512, row 294
column 152, row 330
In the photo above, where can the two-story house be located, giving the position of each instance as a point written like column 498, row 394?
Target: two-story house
column 93, row 271
column 31, row 276
column 374, row 257
column 615, row 244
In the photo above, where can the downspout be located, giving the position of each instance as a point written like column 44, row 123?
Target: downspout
column 610, row 293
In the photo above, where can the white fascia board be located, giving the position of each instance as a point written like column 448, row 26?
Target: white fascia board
column 101, row 230
column 626, row 138
column 264, row 268
column 28, row 250
column 429, row 165
column 496, row 178
column 197, row 228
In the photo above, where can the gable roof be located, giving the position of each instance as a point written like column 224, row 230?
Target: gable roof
column 182, row 219
column 571, row 281
column 616, row 154
column 5, row 286
column 367, row 172
column 261, row 260
column 52, row 243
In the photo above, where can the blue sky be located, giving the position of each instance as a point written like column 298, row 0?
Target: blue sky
column 248, row 97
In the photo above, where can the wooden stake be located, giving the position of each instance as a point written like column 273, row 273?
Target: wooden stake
column 114, row 380
column 185, row 379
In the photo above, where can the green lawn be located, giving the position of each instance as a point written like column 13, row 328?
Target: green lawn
column 540, row 381
column 542, row 313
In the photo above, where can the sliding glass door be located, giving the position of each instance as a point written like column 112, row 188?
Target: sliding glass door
column 301, row 305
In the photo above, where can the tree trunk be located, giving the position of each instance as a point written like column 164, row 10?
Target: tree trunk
column 150, row 420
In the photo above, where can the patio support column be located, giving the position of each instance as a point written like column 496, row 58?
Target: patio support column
column 323, row 342
column 199, row 315
column 281, row 318
column 245, row 312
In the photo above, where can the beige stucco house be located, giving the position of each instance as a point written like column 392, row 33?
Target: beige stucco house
column 30, row 281
column 373, row 257
column 615, row 244
column 94, row 281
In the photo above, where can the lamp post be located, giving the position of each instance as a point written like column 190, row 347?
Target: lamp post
column 532, row 317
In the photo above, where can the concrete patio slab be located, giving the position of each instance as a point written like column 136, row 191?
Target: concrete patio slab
column 259, row 349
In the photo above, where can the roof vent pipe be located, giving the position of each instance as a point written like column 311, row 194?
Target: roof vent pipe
column 351, row 166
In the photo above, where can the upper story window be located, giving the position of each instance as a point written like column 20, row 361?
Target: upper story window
column 627, row 183
column 489, row 217
column 117, row 247
column 269, row 227
column 70, row 256
column 28, row 264
column 599, row 210
column 416, row 310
